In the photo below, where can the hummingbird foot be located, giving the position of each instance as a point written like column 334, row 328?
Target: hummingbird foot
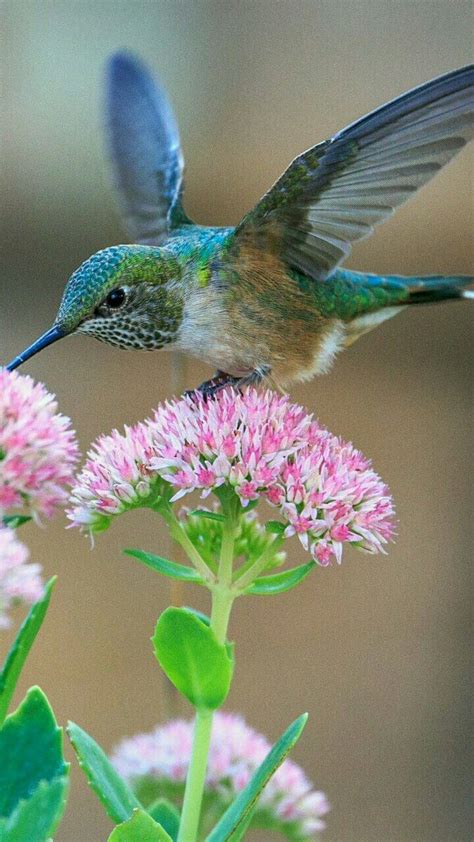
column 221, row 380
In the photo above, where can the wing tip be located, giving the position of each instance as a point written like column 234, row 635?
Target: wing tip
column 125, row 64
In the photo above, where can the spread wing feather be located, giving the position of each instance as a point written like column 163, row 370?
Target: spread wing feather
column 335, row 192
column 145, row 150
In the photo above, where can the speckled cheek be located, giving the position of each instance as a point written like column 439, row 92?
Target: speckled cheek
column 126, row 334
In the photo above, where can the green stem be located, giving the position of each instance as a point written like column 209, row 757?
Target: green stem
column 258, row 566
column 181, row 538
column 222, row 599
column 227, row 549
column 190, row 816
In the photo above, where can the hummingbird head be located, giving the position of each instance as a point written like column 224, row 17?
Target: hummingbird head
column 124, row 295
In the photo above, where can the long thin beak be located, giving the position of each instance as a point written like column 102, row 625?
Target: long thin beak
column 51, row 335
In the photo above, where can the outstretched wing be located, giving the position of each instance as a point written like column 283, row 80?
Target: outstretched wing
column 335, row 193
column 145, row 150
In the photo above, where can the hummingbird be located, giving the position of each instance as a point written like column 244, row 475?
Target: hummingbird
column 266, row 299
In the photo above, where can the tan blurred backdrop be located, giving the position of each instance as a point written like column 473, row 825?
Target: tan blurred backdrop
column 376, row 650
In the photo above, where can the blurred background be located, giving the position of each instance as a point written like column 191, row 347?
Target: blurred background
column 376, row 650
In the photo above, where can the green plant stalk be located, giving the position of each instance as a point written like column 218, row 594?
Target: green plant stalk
column 258, row 566
column 189, row 824
column 179, row 535
column 222, row 599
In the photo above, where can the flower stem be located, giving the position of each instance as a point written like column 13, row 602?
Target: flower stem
column 222, row 599
column 196, row 777
column 224, row 575
column 258, row 566
column 179, row 535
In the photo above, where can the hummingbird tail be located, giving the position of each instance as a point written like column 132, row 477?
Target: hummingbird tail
column 438, row 288
column 384, row 297
column 359, row 293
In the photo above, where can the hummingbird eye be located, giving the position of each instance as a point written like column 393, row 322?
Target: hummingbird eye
column 115, row 299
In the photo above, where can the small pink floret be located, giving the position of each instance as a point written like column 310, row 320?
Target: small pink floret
column 19, row 581
column 38, row 448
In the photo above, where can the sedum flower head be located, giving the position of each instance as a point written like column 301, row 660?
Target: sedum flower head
column 19, row 581
column 152, row 762
column 116, row 477
column 38, row 449
column 257, row 443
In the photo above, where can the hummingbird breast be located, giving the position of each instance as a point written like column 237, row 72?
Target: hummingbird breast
column 255, row 317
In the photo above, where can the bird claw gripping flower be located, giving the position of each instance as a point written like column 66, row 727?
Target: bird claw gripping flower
column 250, row 445
column 157, row 763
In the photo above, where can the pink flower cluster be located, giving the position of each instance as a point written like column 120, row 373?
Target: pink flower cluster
column 235, row 753
column 260, row 444
column 19, row 581
column 116, row 477
column 38, row 450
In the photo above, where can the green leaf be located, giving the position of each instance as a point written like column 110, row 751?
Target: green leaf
column 166, row 814
column 140, row 828
column 33, row 773
column 166, row 567
column 118, row 800
column 208, row 515
column 36, row 818
column 230, row 824
column 199, row 614
column 241, row 830
column 276, row 527
column 20, row 648
column 192, row 658
column 14, row 521
column 281, row 582
column 30, row 750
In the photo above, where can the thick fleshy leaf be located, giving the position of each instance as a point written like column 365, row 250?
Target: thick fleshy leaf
column 36, row 818
column 192, row 658
column 229, row 826
column 118, row 800
column 166, row 814
column 139, row 828
column 241, row 830
column 275, row 527
column 20, row 648
column 166, row 567
column 199, row 614
column 30, row 750
column 14, row 521
column 281, row 582
column 33, row 773
column 208, row 515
